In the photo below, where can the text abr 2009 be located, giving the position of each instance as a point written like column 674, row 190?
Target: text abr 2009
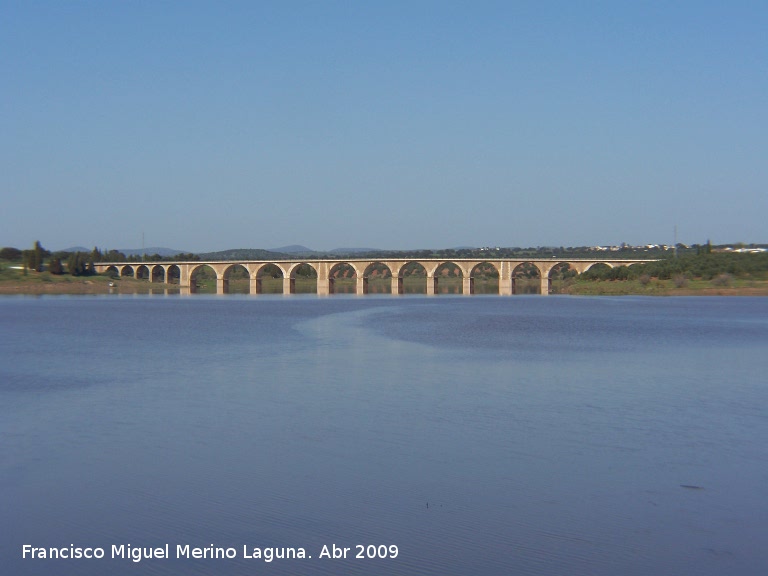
column 361, row 551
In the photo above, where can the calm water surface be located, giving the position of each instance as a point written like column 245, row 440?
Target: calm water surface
column 480, row 435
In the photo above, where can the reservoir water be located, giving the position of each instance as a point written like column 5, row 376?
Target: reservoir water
column 477, row 435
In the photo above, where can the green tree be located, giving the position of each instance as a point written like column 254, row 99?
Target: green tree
column 9, row 253
column 55, row 266
column 79, row 264
column 114, row 256
column 73, row 264
column 33, row 259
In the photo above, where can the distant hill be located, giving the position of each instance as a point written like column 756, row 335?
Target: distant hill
column 149, row 251
column 293, row 249
column 354, row 250
column 245, row 254
column 304, row 251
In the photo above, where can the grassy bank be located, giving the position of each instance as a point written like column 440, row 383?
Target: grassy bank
column 14, row 281
column 656, row 287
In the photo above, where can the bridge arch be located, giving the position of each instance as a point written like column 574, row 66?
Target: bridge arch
column 526, row 278
column 482, row 278
column 582, row 267
column 267, row 278
column 306, row 274
column 342, row 278
column 236, row 279
column 127, row 271
column 157, row 273
column 560, row 276
column 142, row 272
column 452, row 277
column 112, row 271
column 203, row 278
column 597, row 271
column 411, row 277
column 381, row 275
column 173, row 274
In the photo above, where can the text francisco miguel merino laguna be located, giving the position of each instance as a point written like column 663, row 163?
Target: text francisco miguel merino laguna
column 182, row 551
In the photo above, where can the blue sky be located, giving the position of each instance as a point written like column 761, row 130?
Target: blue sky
column 216, row 125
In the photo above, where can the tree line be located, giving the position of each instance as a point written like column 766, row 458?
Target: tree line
column 702, row 263
column 78, row 263
column 705, row 265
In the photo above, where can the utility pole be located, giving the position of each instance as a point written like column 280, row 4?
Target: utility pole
column 675, row 248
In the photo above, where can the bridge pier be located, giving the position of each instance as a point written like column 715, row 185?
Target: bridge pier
column 546, row 284
column 324, row 281
column 468, row 285
column 431, row 285
column 397, row 285
column 184, row 275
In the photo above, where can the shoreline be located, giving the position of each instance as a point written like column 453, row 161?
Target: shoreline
column 36, row 286
column 71, row 285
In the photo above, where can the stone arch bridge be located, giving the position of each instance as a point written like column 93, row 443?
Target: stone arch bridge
column 507, row 268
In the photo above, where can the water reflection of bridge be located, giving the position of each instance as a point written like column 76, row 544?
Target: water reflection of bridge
column 506, row 271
